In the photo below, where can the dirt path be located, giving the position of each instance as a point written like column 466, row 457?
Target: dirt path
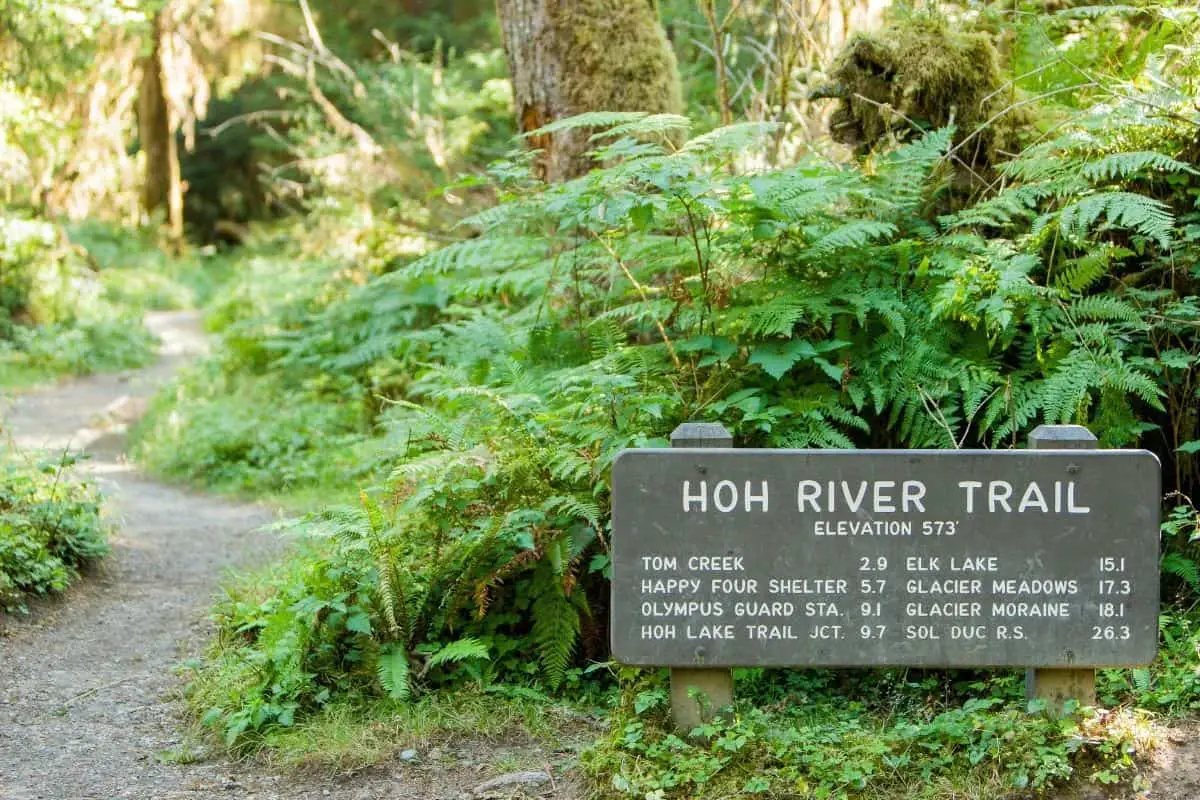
column 88, row 700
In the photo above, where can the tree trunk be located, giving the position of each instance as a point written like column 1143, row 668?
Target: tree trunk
column 156, row 128
column 567, row 57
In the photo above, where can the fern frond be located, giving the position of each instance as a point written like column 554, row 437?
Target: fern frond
column 1147, row 216
column 647, row 125
column 1127, row 165
column 555, row 627
column 590, row 119
column 392, row 668
column 1077, row 274
column 729, row 139
column 1103, row 307
column 464, row 649
column 1184, row 568
column 853, row 234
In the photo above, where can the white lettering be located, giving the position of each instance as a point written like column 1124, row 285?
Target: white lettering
column 912, row 493
column 808, row 492
column 970, row 486
column 998, row 494
column 733, row 496
column 854, row 503
column 883, row 502
column 1071, row 507
column 761, row 499
column 1033, row 497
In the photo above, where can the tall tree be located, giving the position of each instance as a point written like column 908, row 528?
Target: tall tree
column 156, row 128
column 568, row 57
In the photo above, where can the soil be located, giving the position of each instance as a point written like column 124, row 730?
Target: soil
column 90, row 702
column 89, row 699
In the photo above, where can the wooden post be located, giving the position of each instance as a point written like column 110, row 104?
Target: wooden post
column 713, row 688
column 1057, row 685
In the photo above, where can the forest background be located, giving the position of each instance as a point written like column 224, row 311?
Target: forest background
column 823, row 224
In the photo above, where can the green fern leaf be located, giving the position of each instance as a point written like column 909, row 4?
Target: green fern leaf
column 392, row 668
column 464, row 649
column 1147, row 216
column 1127, row 165
column 1184, row 568
column 555, row 628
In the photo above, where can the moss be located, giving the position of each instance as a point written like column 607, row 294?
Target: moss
column 919, row 72
column 619, row 55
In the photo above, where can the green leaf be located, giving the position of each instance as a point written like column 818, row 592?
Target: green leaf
column 642, row 216
column 392, row 669
column 649, row 699
column 359, row 623
column 723, row 348
column 832, row 370
column 777, row 359
column 1190, row 447
column 463, row 649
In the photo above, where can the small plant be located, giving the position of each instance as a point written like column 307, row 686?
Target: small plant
column 50, row 528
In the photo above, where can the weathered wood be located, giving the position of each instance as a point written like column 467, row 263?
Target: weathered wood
column 567, row 57
column 1057, row 686
column 698, row 694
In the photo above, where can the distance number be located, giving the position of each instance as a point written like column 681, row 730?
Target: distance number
column 1110, row 633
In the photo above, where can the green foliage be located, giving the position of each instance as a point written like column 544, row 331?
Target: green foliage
column 1172, row 683
column 481, row 390
column 54, row 316
column 50, row 527
column 808, row 742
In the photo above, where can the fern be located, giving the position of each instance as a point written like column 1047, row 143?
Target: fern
column 591, row 119
column 647, row 125
column 1080, row 273
column 1151, row 218
column 852, row 234
column 465, row 649
column 738, row 137
column 555, row 627
column 1184, row 568
column 392, row 668
column 1122, row 166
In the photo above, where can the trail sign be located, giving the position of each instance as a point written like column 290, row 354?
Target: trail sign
column 726, row 557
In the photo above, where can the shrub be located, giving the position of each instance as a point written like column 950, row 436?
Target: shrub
column 54, row 318
column 50, row 528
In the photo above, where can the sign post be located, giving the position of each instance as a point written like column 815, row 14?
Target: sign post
column 1044, row 558
column 1053, row 684
column 698, row 694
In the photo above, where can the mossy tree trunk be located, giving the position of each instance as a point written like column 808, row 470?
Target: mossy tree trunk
column 568, row 57
column 163, row 186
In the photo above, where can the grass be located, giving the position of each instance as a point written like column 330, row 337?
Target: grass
column 348, row 735
column 17, row 376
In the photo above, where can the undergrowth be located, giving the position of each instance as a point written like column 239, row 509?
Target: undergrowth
column 50, row 527
column 57, row 317
column 478, row 393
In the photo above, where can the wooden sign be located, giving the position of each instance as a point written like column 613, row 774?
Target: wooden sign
column 726, row 557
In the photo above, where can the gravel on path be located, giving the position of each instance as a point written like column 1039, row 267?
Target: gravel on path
column 89, row 702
